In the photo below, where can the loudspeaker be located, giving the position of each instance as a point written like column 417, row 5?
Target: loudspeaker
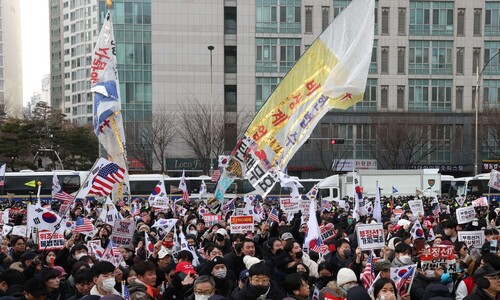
column 482, row 282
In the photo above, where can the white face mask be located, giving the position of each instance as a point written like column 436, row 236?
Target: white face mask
column 201, row 297
column 194, row 232
column 108, row 284
column 429, row 273
column 220, row 274
column 80, row 255
column 406, row 259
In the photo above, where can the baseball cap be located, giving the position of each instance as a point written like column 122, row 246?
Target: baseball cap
column 243, row 275
column 35, row 287
column 221, row 231
column 485, row 270
column 163, row 252
column 286, row 236
column 185, row 267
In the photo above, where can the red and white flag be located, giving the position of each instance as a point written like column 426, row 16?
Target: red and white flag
column 107, row 176
column 83, row 225
column 183, row 188
column 216, row 175
column 368, row 275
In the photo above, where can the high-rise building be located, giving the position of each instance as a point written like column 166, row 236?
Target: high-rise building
column 422, row 79
column 11, row 75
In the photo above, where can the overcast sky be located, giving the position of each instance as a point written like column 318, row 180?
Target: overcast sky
column 35, row 41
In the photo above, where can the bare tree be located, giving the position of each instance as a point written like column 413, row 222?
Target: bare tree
column 490, row 131
column 153, row 138
column 405, row 143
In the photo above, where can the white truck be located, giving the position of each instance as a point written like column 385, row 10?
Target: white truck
column 391, row 182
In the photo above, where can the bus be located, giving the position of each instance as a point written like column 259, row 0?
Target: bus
column 23, row 185
column 446, row 183
column 476, row 186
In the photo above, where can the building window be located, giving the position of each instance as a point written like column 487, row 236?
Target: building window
column 325, row 17
column 309, row 19
column 441, row 57
column 290, row 17
column 230, row 136
column 373, row 64
column 266, row 15
column 459, row 97
column 441, row 136
column 230, row 20
column 230, row 98
column 491, row 96
column 419, row 95
column 461, row 22
column 492, row 19
column 264, row 88
column 441, row 95
column 289, row 53
column 419, row 57
column 365, row 141
column 369, row 102
column 477, row 22
column 401, row 60
column 385, row 60
column 401, row 97
column 385, row 20
column 230, row 62
column 402, row 21
column 441, row 14
column 476, row 56
column 339, row 6
column 384, row 96
column 460, row 61
column 267, row 57
column 490, row 50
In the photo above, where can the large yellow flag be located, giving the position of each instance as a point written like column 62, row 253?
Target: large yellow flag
column 332, row 73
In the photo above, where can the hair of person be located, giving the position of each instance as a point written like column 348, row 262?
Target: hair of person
column 289, row 245
column 402, row 247
column 459, row 245
column 325, row 266
column 83, row 276
column 341, row 242
column 144, row 266
column 293, row 282
column 305, row 267
column 491, row 231
column 185, row 255
column 78, row 247
column 238, row 236
column 11, row 277
column 16, row 238
column 246, row 240
column 212, row 247
column 203, row 279
column 379, row 284
column 259, row 268
column 49, row 273
column 270, row 242
column 102, row 267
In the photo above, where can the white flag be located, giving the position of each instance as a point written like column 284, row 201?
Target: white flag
column 2, row 175
column 312, row 225
column 203, row 190
column 158, row 192
column 165, row 224
column 377, row 210
column 43, row 219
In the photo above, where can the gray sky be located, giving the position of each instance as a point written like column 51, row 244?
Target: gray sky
column 35, row 41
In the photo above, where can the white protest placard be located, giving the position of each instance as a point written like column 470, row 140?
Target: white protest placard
column 417, row 207
column 95, row 248
column 466, row 214
column 289, row 205
column 483, row 201
column 50, row 241
column 241, row 224
column 473, row 239
column 20, row 230
column 304, row 206
column 494, row 180
column 370, row 236
column 123, row 230
column 211, row 219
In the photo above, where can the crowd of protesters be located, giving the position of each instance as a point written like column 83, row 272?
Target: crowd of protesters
column 268, row 263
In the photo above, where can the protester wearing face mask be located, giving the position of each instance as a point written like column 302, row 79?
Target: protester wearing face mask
column 384, row 289
column 224, row 282
column 343, row 258
column 422, row 279
column 403, row 255
column 70, row 254
column 325, row 273
column 293, row 248
column 203, row 287
column 296, row 287
column 259, row 285
column 104, row 279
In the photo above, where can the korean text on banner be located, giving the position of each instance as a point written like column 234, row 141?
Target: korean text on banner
column 108, row 119
column 466, row 214
column 241, row 224
column 123, row 230
column 370, row 236
column 417, row 207
column 473, row 239
column 48, row 240
column 331, row 74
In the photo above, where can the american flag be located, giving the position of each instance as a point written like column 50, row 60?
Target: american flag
column 83, row 225
column 229, row 206
column 216, row 175
column 125, row 291
column 368, row 275
column 107, row 176
column 273, row 216
column 58, row 193
column 317, row 247
column 183, row 188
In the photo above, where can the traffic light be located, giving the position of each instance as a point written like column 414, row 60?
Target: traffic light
column 337, row 141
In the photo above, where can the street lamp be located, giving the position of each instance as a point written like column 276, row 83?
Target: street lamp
column 211, row 48
column 479, row 75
